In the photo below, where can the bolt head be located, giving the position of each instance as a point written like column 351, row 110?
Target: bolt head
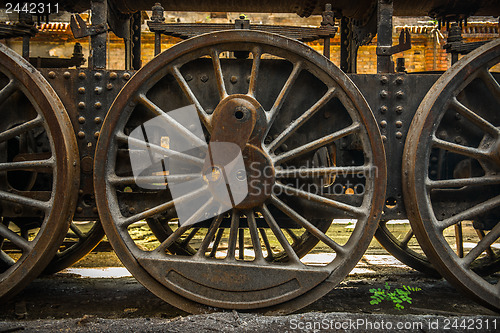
column 66, row 75
column 113, row 75
column 82, row 75
column 52, row 74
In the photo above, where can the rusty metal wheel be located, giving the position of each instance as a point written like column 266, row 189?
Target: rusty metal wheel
column 402, row 244
column 281, row 104
column 81, row 238
column 452, row 174
column 38, row 172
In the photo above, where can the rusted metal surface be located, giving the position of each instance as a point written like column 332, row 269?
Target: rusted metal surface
column 29, row 205
column 241, row 283
column 451, row 178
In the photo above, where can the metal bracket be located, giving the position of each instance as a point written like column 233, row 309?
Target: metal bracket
column 404, row 44
column 80, row 28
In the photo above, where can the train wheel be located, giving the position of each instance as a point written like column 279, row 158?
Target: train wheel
column 452, row 174
column 38, row 182
column 280, row 103
column 79, row 241
column 402, row 244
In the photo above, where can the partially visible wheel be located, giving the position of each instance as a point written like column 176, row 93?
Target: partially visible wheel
column 399, row 240
column 279, row 108
column 81, row 238
column 452, row 174
column 38, row 172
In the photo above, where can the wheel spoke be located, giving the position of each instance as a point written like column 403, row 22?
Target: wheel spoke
column 209, row 236
column 254, row 235
column 195, row 140
column 407, row 238
column 233, row 235
column 269, row 249
column 204, row 117
column 77, row 231
column 474, row 117
column 159, row 149
column 219, row 77
column 355, row 211
column 252, row 86
column 482, row 245
column 307, row 225
column 292, row 235
column 490, row 82
column 20, row 129
column 28, row 165
column 291, row 154
column 271, row 222
column 301, row 120
column 459, row 239
column 461, row 150
column 241, row 243
column 7, row 91
column 184, row 227
column 461, row 182
column 159, row 209
column 489, row 250
column 130, row 180
column 6, row 260
column 217, row 240
column 470, row 213
column 17, row 240
column 188, row 238
column 320, row 172
column 25, row 201
column 278, row 103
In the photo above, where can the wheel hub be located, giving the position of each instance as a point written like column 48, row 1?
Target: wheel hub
column 237, row 133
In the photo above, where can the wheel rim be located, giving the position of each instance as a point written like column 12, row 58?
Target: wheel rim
column 29, row 241
column 247, row 284
column 473, row 165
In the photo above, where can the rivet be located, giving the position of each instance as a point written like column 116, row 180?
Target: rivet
column 383, row 109
column 204, row 78
column 98, row 90
column 81, row 120
column 79, row 210
column 442, row 135
column 52, row 74
column 399, row 123
column 96, row 134
column 459, row 139
column 399, row 135
column 81, row 105
column 94, row 210
column 233, row 79
column 399, row 80
column 188, row 77
column 81, row 135
column 80, row 192
column 383, row 123
column 384, row 79
column 458, row 116
column 97, row 76
column 126, row 76
column 66, row 75
column 113, row 75
column 399, row 109
column 97, row 120
column 81, row 90
column 97, row 105
column 433, row 172
column 82, row 75
column 131, row 210
column 384, row 93
column 434, row 159
column 109, row 86
column 384, row 138
column 400, row 94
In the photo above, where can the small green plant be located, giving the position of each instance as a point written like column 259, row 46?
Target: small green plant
column 398, row 296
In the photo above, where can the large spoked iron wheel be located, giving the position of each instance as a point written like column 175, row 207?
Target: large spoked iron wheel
column 38, row 173
column 300, row 127
column 452, row 174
